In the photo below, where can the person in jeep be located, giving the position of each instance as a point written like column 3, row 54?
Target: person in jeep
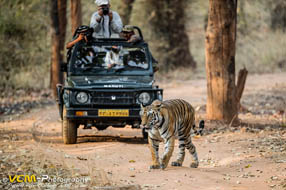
column 129, row 34
column 113, row 57
column 106, row 23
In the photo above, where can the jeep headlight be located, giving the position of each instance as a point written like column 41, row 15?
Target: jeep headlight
column 144, row 98
column 160, row 96
column 82, row 97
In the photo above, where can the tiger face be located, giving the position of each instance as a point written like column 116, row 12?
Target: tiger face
column 149, row 117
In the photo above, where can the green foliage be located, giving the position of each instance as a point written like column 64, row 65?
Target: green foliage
column 23, row 41
column 259, row 48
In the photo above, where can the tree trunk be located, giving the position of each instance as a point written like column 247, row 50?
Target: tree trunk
column 76, row 16
column 278, row 15
column 220, row 61
column 167, row 19
column 125, row 10
column 58, row 26
column 62, row 8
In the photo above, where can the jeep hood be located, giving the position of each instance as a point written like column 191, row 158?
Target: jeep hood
column 110, row 81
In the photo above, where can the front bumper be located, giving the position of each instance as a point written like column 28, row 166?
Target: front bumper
column 92, row 113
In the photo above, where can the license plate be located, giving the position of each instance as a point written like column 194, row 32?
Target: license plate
column 113, row 113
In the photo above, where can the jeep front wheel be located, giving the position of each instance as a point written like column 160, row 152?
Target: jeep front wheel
column 69, row 129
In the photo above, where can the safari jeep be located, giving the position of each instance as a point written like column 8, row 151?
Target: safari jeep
column 100, row 94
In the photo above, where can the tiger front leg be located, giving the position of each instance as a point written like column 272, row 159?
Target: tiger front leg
column 154, row 147
column 169, row 148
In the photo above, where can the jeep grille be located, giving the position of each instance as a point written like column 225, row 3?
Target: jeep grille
column 114, row 98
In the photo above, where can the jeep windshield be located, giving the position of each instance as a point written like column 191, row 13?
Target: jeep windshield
column 95, row 59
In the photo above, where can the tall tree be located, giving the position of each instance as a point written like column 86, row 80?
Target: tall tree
column 62, row 9
column 58, row 26
column 220, row 50
column 125, row 10
column 167, row 19
column 76, row 15
column 278, row 15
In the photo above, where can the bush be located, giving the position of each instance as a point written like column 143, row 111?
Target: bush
column 23, row 41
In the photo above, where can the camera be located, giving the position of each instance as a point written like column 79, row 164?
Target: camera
column 105, row 10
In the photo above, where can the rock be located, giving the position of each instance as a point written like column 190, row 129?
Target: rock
column 67, row 156
column 226, row 178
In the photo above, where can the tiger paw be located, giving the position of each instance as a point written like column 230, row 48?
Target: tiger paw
column 194, row 165
column 154, row 167
column 162, row 166
column 176, row 164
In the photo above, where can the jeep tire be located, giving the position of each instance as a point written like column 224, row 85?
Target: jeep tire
column 69, row 129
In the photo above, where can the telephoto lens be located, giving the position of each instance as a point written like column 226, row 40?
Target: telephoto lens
column 105, row 10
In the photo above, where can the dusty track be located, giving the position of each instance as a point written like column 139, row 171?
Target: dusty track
column 243, row 159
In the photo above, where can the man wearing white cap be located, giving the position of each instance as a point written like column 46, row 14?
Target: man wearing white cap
column 106, row 23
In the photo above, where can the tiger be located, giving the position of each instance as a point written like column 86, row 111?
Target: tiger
column 164, row 121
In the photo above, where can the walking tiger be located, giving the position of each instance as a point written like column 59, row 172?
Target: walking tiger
column 166, row 120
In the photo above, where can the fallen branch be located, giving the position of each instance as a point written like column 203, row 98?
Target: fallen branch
column 241, row 80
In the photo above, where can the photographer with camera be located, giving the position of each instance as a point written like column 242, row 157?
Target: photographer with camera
column 105, row 22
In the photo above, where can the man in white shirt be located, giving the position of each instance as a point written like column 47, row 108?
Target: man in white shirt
column 112, row 58
column 105, row 22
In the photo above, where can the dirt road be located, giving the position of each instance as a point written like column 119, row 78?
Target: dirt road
column 252, row 156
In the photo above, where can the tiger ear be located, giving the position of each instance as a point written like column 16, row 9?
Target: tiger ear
column 157, row 104
column 141, row 105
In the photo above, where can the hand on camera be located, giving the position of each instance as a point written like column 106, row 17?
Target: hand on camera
column 110, row 16
column 100, row 11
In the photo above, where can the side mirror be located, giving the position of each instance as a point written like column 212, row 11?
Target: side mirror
column 64, row 67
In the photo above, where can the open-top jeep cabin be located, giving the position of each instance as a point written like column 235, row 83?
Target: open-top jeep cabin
column 106, row 82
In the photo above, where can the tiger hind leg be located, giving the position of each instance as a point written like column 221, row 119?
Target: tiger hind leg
column 181, row 155
column 192, row 149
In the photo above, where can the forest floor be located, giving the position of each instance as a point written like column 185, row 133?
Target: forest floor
column 251, row 156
